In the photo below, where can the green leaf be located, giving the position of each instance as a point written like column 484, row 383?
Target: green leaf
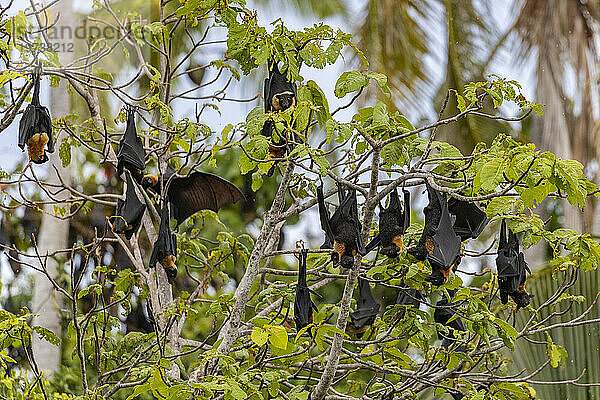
column 259, row 336
column 64, row 152
column 350, row 81
column 279, row 337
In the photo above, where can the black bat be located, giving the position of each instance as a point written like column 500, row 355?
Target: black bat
column 129, row 212
column 442, row 314
column 342, row 229
column 393, row 222
column 408, row 296
column 303, row 305
column 35, row 128
column 279, row 94
column 165, row 247
column 194, row 192
column 512, row 269
column 138, row 321
column 366, row 310
column 439, row 243
column 131, row 153
column 470, row 219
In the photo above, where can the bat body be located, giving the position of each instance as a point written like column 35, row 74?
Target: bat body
column 512, row 269
column 35, row 128
column 131, row 153
column 393, row 222
column 342, row 229
column 366, row 310
column 279, row 94
column 439, row 243
column 195, row 192
column 442, row 315
column 408, row 296
column 165, row 247
column 303, row 305
column 129, row 212
column 470, row 219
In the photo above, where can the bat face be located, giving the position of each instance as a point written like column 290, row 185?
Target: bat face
column 165, row 247
column 35, row 128
column 129, row 213
column 283, row 101
column 470, row 219
column 131, row 153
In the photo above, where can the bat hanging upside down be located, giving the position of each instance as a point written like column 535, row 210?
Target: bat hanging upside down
column 439, row 243
column 393, row 222
column 35, row 128
column 342, row 229
column 165, row 248
column 132, row 155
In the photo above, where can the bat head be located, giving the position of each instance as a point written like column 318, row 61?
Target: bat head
column 41, row 159
column 283, row 101
column 149, row 181
column 522, row 298
column 171, row 274
column 436, row 278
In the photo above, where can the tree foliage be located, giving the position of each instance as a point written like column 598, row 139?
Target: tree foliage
column 223, row 330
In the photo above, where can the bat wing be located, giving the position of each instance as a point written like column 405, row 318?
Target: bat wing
column 353, row 210
column 446, row 250
column 367, row 308
column 200, row 191
column 164, row 243
column 406, row 216
column 325, row 219
column 267, row 94
column 409, row 297
column 131, row 148
column 303, row 305
column 374, row 243
column 26, row 125
column 470, row 219
column 129, row 212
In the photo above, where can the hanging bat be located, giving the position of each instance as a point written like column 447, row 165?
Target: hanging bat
column 138, row 321
column 470, row 219
column 279, row 94
column 342, row 229
column 165, row 247
column 366, row 310
column 303, row 305
column 512, row 269
column 443, row 313
column 408, row 296
column 131, row 153
column 129, row 212
column 439, row 243
column 35, row 128
column 194, row 192
column 393, row 222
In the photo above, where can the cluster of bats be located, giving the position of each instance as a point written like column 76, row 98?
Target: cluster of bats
column 447, row 222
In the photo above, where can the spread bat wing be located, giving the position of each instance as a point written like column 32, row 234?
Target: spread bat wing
column 366, row 306
column 470, row 219
column 200, row 191
column 446, row 251
column 131, row 149
column 325, row 219
column 129, row 212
